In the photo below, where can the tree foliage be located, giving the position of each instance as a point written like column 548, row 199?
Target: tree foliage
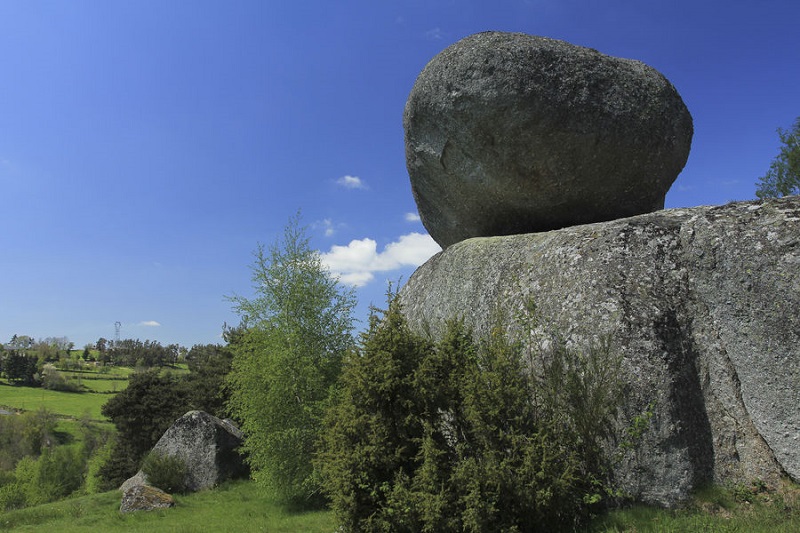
column 461, row 435
column 783, row 177
column 209, row 364
column 142, row 412
column 287, row 357
column 24, row 435
column 20, row 368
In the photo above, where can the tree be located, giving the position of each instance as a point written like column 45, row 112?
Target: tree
column 783, row 177
column 294, row 334
column 142, row 412
column 101, row 345
column 209, row 364
column 20, row 368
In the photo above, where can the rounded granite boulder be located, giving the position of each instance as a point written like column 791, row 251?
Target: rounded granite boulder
column 510, row 133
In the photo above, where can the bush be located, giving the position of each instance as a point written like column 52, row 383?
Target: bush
column 52, row 379
column 25, row 434
column 11, row 497
column 57, row 473
column 461, row 435
column 167, row 472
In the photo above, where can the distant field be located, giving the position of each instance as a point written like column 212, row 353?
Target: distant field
column 96, row 382
column 99, row 387
column 69, row 404
column 61, row 403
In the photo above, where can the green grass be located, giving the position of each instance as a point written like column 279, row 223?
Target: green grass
column 69, row 404
column 242, row 506
column 99, row 386
column 104, row 386
column 714, row 509
column 238, row 506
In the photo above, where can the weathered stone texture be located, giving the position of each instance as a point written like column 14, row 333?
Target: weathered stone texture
column 209, row 447
column 703, row 304
column 511, row 133
column 145, row 498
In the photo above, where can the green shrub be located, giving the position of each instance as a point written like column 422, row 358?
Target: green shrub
column 55, row 474
column 167, row 472
column 94, row 481
column 11, row 497
column 461, row 435
column 52, row 379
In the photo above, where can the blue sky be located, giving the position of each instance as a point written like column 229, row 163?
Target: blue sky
column 146, row 147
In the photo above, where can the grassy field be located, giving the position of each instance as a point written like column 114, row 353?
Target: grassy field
column 239, row 507
column 68, row 404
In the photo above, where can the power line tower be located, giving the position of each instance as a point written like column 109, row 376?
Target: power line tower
column 117, row 327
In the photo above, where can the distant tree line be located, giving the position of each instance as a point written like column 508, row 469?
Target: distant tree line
column 25, row 361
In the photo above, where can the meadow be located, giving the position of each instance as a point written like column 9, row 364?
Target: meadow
column 236, row 506
column 242, row 506
column 63, row 404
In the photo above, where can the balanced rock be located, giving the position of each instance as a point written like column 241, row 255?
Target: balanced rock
column 701, row 304
column 510, row 133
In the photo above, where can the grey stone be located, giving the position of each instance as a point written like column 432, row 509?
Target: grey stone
column 138, row 479
column 145, row 498
column 208, row 446
column 510, row 133
column 702, row 304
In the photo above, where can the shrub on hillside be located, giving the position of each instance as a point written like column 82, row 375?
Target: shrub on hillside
column 52, row 379
column 23, row 435
column 166, row 472
column 55, row 474
column 461, row 435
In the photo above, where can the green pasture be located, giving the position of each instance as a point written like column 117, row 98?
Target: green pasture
column 242, row 506
column 239, row 506
column 69, row 404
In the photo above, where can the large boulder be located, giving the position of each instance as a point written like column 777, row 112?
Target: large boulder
column 702, row 304
column 511, row 133
column 207, row 445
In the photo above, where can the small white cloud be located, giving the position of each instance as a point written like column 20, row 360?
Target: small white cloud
column 412, row 217
column 356, row 263
column 351, row 182
column 149, row 324
column 435, row 34
column 356, row 279
column 327, row 227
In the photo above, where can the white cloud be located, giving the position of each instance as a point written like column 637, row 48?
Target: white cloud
column 327, row 226
column 435, row 34
column 356, row 263
column 351, row 182
column 412, row 217
column 149, row 324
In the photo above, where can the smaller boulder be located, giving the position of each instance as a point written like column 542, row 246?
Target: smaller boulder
column 145, row 498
